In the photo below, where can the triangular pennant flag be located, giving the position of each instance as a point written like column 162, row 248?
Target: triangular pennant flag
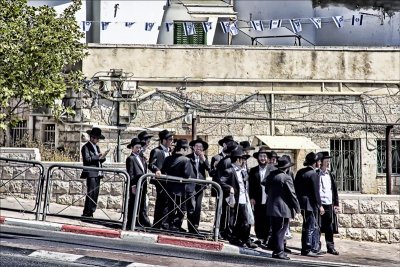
column 338, row 21
column 276, row 23
column 296, row 25
column 225, row 26
column 104, row 25
column 148, row 26
column 207, row 26
column 169, row 26
column 357, row 20
column 129, row 24
column 317, row 22
column 257, row 25
column 86, row 25
column 233, row 28
column 188, row 28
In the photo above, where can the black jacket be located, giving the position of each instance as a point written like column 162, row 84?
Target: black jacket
column 90, row 159
column 203, row 167
column 255, row 189
column 180, row 166
column 282, row 201
column 134, row 169
column 214, row 161
column 307, row 189
column 157, row 157
column 335, row 195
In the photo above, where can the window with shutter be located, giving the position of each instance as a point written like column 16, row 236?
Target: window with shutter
column 200, row 38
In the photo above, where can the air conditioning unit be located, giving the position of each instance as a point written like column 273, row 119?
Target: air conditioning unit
column 129, row 88
column 124, row 113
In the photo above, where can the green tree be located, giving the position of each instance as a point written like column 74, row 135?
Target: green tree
column 38, row 53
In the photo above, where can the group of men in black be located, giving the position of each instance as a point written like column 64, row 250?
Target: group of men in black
column 266, row 196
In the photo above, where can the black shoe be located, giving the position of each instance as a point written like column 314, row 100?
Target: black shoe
column 250, row 244
column 280, row 256
column 309, row 254
column 258, row 242
column 87, row 215
column 333, row 251
column 182, row 230
column 236, row 243
column 286, row 250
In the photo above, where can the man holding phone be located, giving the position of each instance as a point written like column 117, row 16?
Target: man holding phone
column 92, row 157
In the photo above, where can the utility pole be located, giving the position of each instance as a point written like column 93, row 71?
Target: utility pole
column 194, row 125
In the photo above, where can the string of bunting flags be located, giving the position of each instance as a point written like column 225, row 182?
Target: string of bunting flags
column 231, row 26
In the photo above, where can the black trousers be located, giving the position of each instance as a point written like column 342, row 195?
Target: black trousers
column 193, row 207
column 142, row 219
column 92, row 195
column 277, row 240
column 327, row 227
column 161, row 209
column 239, row 224
column 262, row 222
column 176, row 212
column 310, row 232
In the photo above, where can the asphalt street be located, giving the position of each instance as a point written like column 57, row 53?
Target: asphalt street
column 99, row 250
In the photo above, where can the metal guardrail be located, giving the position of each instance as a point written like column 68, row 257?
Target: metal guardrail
column 39, row 188
column 215, row 186
column 104, row 170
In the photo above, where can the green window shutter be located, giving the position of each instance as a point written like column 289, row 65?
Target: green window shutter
column 199, row 38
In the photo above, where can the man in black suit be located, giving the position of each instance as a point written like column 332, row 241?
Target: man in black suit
column 145, row 138
column 282, row 204
column 234, row 186
column 329, row 200
column 307, row 191
column 195, row 192
column 157, row 157
column 180, row 166
column 258, row 196
column 92, row 157
column 136, row 167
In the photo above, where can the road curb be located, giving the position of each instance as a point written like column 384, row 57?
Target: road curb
column 32, row 224
column 142, row 237
column 190, row 243
column 90, row 231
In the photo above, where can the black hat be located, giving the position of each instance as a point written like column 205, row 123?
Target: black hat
column 144, row 135
column 239, row 152
column 311, row 158
column 199, row 140
column 181, row 143
column 135, row 141
column 246, row 145
column 324, row 155
column 262, row 150
column 284, row 162
column 225, row 140
column 95, row 132
column 164, row 134
column 272, row 154
column 231, row 146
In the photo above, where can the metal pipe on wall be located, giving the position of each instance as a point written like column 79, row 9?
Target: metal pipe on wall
column 389, row 159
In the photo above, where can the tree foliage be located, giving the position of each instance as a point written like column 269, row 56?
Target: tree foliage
column 37, row 51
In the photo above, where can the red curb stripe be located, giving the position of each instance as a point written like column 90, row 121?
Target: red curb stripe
column 90, row 231
column 189, row 242
column 2, row 219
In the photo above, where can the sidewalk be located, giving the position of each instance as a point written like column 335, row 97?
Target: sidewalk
column 351, row 252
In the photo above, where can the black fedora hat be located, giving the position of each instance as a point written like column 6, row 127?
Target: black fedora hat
column 246, row 146
column 284, row 162
column 199, row 140
column 272, row 154
column 230, row 146
column 239, row 152
column 181, row 143
column 225, row 140
column 311, row 158
column 144, row 135
column 324, row 155
column 95, row 132
column 262, row 150
column 164, row 134
column 134, row 141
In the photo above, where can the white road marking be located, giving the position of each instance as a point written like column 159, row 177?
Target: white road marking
column 55, row 255
column 138, row 264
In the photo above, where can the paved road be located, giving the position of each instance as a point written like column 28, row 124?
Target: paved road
column 100, row 251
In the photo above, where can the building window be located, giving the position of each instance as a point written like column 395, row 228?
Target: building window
column 345, row 163
column 200, row 38
column 18, row 133
column 49, row 135
column 381, row 156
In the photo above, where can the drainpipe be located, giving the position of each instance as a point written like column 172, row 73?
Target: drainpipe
column 194, row 125
column 389, row 159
